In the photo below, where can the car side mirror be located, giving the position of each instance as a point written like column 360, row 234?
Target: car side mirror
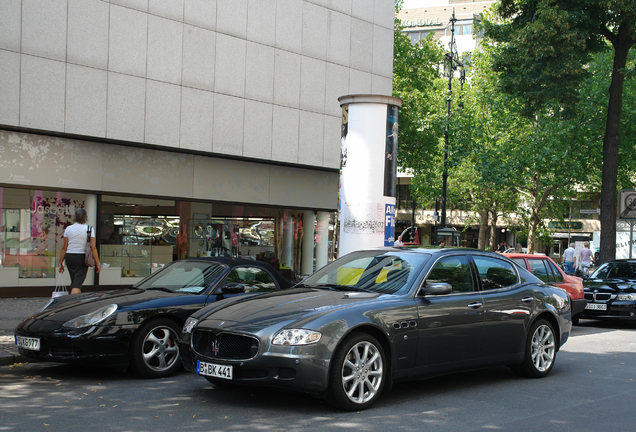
column 437, row 288
column 232, row 288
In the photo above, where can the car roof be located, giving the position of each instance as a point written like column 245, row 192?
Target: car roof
column 522, row 255
column 232, row 262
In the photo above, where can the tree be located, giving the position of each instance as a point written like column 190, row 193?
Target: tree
column 544, row 49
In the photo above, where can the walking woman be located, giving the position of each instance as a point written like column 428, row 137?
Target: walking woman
column 74, row 250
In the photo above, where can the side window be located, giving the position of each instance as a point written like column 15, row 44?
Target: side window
column 558, row 278
column 454, row 271
column 254, row 279
column 495, row 273
column 539, row 270
column 521, row 262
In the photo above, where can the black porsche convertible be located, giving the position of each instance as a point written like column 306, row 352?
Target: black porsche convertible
column 139, row 326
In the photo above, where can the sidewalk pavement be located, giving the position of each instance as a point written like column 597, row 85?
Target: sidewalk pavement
column 12, row 311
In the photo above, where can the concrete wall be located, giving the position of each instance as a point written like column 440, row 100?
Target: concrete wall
column 249, row 78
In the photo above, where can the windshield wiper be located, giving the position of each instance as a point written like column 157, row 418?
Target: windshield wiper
column 349, row 288
column 160, row 289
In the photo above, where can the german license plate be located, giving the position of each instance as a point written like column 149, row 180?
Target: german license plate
column 596, row 306
column 214, row 370
column 28, row 343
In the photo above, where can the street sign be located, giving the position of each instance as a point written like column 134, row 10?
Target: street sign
column 627, row 204
column 590, row 211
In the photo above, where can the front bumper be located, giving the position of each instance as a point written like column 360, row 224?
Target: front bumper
column 615, row 310
column 299, row 369
column 98, row 345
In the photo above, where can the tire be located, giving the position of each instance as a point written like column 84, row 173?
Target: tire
column 540, row 351
column 575, row 321
column 358, row 374
column 154, row 349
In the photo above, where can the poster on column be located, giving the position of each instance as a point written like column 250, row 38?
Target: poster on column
column 390, row 154
column 389, row 224
column 363, row 218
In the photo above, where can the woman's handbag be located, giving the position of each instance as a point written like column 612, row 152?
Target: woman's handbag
column 60, row 288
column 89, row 260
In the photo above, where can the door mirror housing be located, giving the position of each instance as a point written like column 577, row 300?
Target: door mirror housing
column 437, row 288
column 232, row 288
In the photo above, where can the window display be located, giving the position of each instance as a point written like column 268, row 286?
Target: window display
column 32, row 229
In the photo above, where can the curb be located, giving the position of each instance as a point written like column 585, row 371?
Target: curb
column 7, row 358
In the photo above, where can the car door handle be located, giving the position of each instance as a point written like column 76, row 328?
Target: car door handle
column 527, row 299
column 475, row 305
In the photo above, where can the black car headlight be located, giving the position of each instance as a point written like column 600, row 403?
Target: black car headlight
column 626, row 297
column 189, row 325
column 92, row 318
column 293, row 337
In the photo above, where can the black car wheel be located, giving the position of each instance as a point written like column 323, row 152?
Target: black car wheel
column 358, row 373
column 540, row 351
column 154, row 349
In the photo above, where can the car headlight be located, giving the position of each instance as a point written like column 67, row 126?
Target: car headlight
column 92, row 318
column 292, row 337
column 189, row 325
column 626, row 297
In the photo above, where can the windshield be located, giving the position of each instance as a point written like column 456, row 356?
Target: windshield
column 374, row 271
column 184, row 277
column 614, row 270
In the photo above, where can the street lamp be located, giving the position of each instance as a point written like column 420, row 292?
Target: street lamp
column 454, row 63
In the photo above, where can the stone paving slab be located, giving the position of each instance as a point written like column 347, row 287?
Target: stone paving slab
column 12, row 311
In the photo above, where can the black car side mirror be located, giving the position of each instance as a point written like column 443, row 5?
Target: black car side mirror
column 232, row 288
column 437, row 288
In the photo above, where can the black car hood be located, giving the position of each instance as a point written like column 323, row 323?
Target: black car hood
column 72, row 306
column 610, row 285
column 287, row 305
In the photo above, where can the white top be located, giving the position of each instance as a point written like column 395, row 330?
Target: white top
column 569, row 254
column 76, row 235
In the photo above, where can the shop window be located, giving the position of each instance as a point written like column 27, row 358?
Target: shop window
column 32, row 229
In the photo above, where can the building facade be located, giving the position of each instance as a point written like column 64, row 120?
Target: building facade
column 184, row 127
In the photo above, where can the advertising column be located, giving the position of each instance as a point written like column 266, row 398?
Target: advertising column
column 368, row 166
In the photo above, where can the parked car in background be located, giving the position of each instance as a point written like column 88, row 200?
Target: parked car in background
column 611, row 291
column 375, row 317
column 139, row 326
column 549, row 272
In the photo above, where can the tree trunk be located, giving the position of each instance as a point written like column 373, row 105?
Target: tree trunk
column 532, row 230
column 611, row 142
column 493, row 231
column 483, row 229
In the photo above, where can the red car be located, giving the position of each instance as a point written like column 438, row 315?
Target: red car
column 549, row 272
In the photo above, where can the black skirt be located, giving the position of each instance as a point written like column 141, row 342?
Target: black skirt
column 77, row 268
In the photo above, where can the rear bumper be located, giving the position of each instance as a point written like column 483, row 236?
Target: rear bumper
column 578, row 306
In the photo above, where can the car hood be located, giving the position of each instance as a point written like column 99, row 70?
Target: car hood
column 610, row 285
column 72, row 306
column 283, row 306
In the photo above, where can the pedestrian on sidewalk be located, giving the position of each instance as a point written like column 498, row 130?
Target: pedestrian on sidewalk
column 586, row 257
column 568, row 258
column 74, row 251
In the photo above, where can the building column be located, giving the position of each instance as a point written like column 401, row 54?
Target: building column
column 287, row 255
column 309, row 222
column 90, row 205
column 322, row 241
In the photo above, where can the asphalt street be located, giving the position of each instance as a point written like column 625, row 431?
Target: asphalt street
column 592, row 387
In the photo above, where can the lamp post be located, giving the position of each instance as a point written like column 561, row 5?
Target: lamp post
column 454, row 63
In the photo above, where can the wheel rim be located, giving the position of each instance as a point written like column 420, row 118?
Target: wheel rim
column 362, row 372
column 160, row 350
column 543, row 348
